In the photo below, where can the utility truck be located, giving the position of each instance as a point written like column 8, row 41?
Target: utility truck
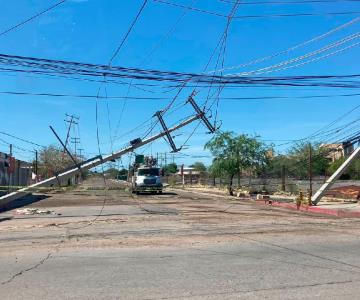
column 146, row 176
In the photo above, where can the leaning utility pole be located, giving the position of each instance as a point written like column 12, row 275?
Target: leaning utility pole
column 65, row 148
column 328, row 183
column 96, row 161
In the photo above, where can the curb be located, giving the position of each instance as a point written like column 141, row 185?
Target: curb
column 342, row 213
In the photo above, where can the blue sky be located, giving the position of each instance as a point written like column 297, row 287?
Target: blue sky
column 90, row 31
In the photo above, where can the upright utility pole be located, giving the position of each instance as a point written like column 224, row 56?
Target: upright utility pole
column 75, row 141
column 80, row 153
column 71, row 119
column 11, row 154
column 283, row 187
column 36, row 163
column 182, row 175
column 310, row 173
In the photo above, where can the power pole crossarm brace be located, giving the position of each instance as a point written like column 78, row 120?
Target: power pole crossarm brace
column 200, row 113
column 166, row 130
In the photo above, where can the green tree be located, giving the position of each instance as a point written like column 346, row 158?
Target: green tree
column 112, row 172
column 170, row 169
column 215, row 170
column 123, row 172
column 52, row 159
column 235, row 154
column 352, row 172
column 117, row 174
column 296, row 161
column 198, row 166
column 299, row 160
column 276, row 165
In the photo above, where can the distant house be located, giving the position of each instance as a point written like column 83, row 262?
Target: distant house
column 14, row 172
column 337, row 151
column 270, row 154
column 190, row 175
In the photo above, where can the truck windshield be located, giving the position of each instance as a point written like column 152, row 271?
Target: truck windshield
column 148, row 172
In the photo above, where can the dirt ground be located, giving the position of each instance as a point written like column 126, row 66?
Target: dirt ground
column 90, row 214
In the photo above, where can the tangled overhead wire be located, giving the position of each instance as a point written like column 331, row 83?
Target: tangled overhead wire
column 41, row 66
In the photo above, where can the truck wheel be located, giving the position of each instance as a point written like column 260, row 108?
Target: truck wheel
column 159, row 192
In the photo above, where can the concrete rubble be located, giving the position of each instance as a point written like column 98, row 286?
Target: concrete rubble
column 34, row 211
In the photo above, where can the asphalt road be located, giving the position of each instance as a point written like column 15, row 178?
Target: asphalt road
column 181, row 245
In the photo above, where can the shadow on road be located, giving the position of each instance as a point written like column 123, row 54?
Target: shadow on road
column 29, row 199
column 155, row 194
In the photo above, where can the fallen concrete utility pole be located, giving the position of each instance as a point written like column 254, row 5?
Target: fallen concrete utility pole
column 325, row 187
column 91, row 163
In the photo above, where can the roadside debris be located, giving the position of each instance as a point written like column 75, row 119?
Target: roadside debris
column 266, row 198
column 345, row 192
column 34, row 211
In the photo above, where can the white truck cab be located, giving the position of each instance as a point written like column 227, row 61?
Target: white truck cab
column 147, row 179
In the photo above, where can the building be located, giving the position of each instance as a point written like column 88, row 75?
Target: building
column 13, row 172
column 190, row 175
column 337, row 151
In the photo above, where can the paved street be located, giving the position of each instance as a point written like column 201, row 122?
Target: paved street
column 178, row 245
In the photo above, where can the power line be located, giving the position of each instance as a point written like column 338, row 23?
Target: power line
column 221, row 56
column 31, row 18
column 335, row 121
column 190, row 8
column 289, row 2
column 283, row 15
column 135, row 98
column 320, row 131
column 302, row 44
column 97, row 116
column 16, row 147
column 341, row 13
column 151, row 53
column 21, row 139
column 128, row 32
column 55, row 67
column 110, row 62
column 114, row 56
column 223, row 52
column 316, row 58
column 281, row 65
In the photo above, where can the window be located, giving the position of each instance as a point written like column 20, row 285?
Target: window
column 148, row 172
